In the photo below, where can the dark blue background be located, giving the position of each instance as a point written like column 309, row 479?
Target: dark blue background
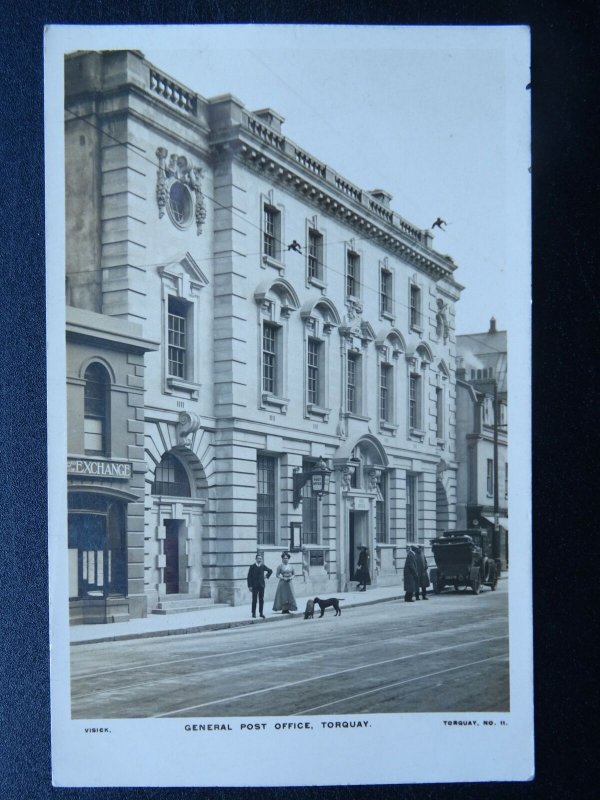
column 565, row 181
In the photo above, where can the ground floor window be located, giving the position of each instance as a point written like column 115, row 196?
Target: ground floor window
column 310, row 519
column 411, row 508
column 97, row 545
column 381, row 511
column 310, row 509
column 266, row 500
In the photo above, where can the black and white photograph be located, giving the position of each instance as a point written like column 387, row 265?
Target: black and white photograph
column 285, row 268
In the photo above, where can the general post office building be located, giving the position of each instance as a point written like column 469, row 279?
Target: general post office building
column 239, row 315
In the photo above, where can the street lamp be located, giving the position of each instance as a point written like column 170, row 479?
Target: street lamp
column 319, row 478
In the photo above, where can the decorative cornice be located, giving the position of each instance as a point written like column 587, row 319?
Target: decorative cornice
column 282, row 161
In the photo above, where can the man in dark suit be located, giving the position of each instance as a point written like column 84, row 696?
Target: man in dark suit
column 422, row 568
column 256, row 583
column 411, row 575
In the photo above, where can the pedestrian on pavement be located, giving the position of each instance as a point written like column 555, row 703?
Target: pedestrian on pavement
column 411, row 575
column 424, row 581
column 362, row 569
column 256, row 583
column 284, row 596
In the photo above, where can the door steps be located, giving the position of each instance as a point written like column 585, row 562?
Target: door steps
column 182, row 604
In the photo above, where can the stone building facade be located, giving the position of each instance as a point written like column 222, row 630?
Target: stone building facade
column 482, row 434
column 298, row 318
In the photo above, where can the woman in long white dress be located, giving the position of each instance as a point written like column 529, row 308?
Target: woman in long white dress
column 284, row 596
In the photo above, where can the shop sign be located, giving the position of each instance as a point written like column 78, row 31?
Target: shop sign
column 96, row 468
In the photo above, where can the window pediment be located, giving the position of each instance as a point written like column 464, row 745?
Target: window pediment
column 283, row 290
column 185, row 275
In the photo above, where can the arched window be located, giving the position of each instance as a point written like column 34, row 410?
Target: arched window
column 170, row 478
column 96, row 410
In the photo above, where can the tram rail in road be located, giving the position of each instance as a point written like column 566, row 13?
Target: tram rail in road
column 373, row 659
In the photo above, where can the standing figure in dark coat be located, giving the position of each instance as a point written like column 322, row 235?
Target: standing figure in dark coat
column 422, row 568
column 256, row 583
column 362, row 570
column 411, row 575
column 284, row 596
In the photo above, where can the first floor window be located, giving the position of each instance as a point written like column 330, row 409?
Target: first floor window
column 506, row 480
column 414, row 401
column 269, row 347
column 97, row 546
column 178, row 338
column 265, row 500
column 411, row 508
column 490, row 476
column 353, row 387
column 385, row 392
column 96, row 396
column 313, row 371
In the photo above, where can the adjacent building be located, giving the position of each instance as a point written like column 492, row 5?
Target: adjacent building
column 482, row 435
column 240, row 314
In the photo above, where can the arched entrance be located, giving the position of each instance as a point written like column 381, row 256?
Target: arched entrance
column 178, row 494
column 362, row 507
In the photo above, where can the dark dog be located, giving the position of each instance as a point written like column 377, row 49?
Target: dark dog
column 309, row 611
column 331, row 601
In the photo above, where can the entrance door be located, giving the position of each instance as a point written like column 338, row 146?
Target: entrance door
column 358, row 534
column 172, row 556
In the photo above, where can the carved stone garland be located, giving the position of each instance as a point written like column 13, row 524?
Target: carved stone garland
column 179, row 169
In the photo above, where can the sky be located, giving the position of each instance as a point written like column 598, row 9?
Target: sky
column 436, row 116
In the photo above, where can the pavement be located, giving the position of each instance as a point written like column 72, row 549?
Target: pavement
column 215, row 618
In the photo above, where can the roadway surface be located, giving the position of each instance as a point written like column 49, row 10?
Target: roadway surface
column 449, row 654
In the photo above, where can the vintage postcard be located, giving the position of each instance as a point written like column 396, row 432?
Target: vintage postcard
column 286, row 268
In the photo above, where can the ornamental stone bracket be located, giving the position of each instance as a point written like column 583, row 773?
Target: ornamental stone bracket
column 187, row 425
column 347, row 471
column 357, row 328
column 179, row 169
column 374, row 477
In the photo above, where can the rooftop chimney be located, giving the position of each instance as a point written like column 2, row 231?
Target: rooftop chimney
column 270, row 118
column 382, row 196
column 492, row 325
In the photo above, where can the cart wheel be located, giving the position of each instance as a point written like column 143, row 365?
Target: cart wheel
column 493, row 582
column 486, row 571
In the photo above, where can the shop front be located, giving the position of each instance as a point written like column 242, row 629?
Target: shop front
column 98, row 549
